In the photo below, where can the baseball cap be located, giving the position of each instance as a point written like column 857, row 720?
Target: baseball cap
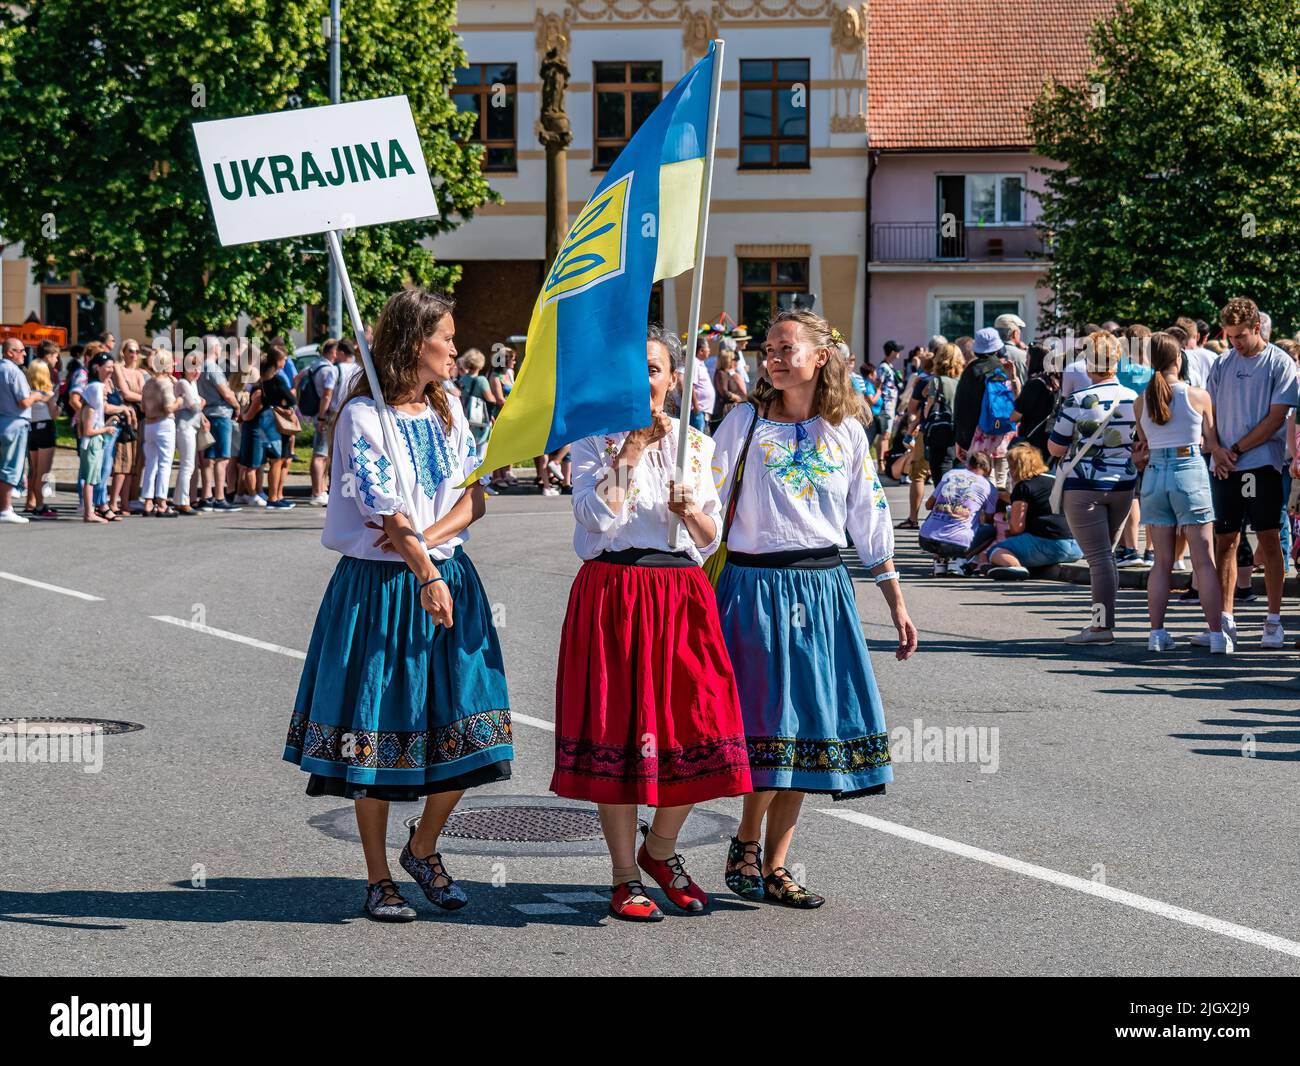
column 1009, row 321
column 987, row 340
column 892, row 346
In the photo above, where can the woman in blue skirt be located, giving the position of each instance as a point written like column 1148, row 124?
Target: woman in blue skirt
column 403, row 695
column 795, row 474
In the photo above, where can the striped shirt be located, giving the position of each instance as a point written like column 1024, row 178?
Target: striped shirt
column 1109, row 463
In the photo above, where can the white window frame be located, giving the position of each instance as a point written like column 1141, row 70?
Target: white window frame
column 979, row 300
column 998, row 178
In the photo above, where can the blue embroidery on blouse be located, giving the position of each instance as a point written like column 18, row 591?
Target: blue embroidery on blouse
column 372, row 471
column 430, row 454
column 802, row 467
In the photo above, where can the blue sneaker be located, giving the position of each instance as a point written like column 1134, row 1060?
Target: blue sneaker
column 281, row 505
column 427, row 871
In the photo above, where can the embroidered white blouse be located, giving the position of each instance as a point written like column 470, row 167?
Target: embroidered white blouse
column 805, row 484
column 642, row 521
column 363, row 480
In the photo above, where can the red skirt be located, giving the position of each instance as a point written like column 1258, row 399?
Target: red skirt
column 646, row 709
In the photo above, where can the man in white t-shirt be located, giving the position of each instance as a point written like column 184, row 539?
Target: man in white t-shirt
column 1197, row 361
column 334, row 380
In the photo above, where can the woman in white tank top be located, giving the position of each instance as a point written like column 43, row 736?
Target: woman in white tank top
column 1171, row 421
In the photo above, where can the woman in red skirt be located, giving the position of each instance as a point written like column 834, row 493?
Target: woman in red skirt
column 646, row 704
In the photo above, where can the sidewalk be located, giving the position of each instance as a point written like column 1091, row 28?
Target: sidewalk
column 65, row 475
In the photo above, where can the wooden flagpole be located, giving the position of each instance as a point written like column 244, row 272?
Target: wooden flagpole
column 697, row 287
column 385, row 419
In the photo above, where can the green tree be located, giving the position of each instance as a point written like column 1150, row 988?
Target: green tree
column 1181, row 153
column 98, row 167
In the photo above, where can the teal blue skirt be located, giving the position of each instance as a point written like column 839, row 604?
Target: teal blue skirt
column 813, row 716
column 391, row 706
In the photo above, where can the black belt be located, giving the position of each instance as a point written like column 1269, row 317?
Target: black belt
column 645, row 557
column 800, row 559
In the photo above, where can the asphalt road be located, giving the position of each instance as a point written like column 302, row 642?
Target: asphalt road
column 1118, row 830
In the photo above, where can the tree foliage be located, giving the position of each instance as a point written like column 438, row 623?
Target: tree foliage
column 1181, row 153
column 99, row 171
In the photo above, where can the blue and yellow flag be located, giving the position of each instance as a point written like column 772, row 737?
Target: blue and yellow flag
column 584, row 369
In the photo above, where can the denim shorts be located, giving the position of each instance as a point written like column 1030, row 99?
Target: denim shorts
column 1176, row 489
column 221, row 432
column 320, row 441
column 1033, row 550
column 13, row 449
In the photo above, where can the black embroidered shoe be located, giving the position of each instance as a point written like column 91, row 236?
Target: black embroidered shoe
column 784, row 889
column 427, row 871
column 743, row 854
column 385, row 904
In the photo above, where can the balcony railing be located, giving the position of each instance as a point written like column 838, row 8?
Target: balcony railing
column 931, row 242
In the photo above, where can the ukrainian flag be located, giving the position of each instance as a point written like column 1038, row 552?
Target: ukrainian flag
column 584, row 369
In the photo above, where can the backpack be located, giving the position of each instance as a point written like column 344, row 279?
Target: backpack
column 996, row 407
column 309, row 395
column 940, row 415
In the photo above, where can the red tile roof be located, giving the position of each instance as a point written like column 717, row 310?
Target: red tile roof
column 962, row 74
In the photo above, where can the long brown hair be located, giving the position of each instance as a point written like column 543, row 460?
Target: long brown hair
column 408, row 319
column 1165, row 353
column 835, row 398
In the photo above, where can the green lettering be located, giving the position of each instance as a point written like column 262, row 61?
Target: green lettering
column 282, row 171
column 397, row 159
column 311, row 174
column 347, row 155
column 252, row 176
column 234, row 176
column 366, row 163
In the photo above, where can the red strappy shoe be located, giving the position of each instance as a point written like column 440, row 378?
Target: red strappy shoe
column 670, row 875
column 631, row 904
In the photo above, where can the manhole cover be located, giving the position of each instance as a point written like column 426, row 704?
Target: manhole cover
column 522, row 824
column 58, row 727
column 498, row 825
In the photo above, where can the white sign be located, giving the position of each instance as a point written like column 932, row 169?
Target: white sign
column 314, row 169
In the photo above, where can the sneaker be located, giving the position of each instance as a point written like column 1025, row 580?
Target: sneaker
column 1091, row 636
column 1127, row 557
column 1160, row 640
column 13, row 517
column 320, row 500
column 1203, row 639
column 222, row 505
column 940, row 568
column 1219, row 644
column 1246, row 595
column 240, row 498
column 566, row 490
column 957, row 567
column 1181, row 566
column 906, row 479
column 550, row 490
column 258, row 501
column 1274, row 636
column 1007, row 573
column 281, row 505
column 207, row 505
column 1148, row 557
column 555, row 470
column 1230, row 628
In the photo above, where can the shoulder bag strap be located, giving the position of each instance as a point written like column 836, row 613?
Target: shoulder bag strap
column 738, row 477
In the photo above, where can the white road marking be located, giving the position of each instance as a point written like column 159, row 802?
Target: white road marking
column 538, row 909
column 1079, row 884
column 51, row 588
column 239, row 638
column 536, row 723
column 576, row 897
column 293, row 653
